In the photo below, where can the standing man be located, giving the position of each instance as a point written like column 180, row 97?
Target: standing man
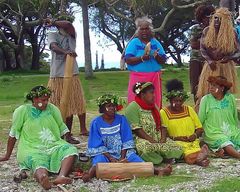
column 202, row 16
column 62, row 43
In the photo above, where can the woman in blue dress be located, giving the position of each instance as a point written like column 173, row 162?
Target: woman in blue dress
column 111, row 139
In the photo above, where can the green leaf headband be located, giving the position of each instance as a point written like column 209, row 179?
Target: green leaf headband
column 174, row 93
column 41, row 91
column 115, row 99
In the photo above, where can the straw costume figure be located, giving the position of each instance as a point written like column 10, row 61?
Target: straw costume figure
column 220, row 48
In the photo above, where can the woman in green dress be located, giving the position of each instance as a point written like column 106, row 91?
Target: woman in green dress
column 218, row 114
column 38, row 127
column 151, row 141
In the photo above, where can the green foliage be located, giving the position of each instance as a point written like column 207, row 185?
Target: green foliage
column 225, row 185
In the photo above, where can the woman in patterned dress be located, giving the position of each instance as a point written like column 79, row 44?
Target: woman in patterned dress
column 38, row 127
column 219, row 117
column 143, row 115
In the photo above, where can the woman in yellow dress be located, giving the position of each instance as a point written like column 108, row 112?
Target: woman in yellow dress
column 183, row 124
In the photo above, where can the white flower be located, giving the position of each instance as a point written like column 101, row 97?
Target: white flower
column 46, row 136
column 137, row 91
column 138, row 84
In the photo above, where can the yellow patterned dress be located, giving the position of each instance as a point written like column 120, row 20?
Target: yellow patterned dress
column 150, row 152
column 182, row 124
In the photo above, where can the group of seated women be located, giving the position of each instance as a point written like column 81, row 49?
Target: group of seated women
column 143, row 134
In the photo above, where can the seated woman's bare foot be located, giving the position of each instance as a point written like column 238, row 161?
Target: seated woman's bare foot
column 45, row 183
column 23, row 174
column 204, row 163
column 86, row 177
column 62, row 180
column 164, row 171
column 203, row 154
column 220, row 153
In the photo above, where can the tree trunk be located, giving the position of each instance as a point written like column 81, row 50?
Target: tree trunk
column 2, row 60
column 35, row 57
column 87, row 44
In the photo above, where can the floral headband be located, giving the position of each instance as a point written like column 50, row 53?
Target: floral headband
column 139, row 87
column 220, row 82
column 115, row 99
column 39, row 92
column 177, row 93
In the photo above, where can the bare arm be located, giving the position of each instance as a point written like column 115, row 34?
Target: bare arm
column 198, row 133
column 203, row 48
column 163, row 134
column 55, row 48
column 160, row 59
column 143, row 135
column 195, row 43
column 123, row 153
column 65, row 25
column 137, row 60
column 110, row 158
column 10, row 146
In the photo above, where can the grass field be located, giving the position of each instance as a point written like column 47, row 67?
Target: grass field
column 13, row 88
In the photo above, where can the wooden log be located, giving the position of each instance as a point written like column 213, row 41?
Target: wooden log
column 112, row 171
column 68, row 74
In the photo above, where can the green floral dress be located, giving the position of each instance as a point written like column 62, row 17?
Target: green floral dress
column 220, row 122
column 150, row 152
column 39, row 134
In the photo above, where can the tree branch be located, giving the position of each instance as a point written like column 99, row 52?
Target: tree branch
column 4, row 39
column 116, row 13
column 191, row 5
column 165, row 21
column 173, row 10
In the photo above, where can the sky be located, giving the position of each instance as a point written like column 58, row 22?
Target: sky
column 111, row 54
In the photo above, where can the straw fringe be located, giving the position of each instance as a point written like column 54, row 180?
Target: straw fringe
column 227, row 70
column 77, row 104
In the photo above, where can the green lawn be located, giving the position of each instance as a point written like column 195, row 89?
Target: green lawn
column 228, row 184
column 14, row 87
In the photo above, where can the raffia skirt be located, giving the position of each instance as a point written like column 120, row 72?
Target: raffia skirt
column 77, row 105
column 227, row 70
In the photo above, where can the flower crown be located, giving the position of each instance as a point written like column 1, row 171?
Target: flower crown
column 41, row 91
column 140, row 86
column 177, row 93
column 115, row 99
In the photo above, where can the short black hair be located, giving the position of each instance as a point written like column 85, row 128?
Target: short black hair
column 174, row 85
column 203, row 11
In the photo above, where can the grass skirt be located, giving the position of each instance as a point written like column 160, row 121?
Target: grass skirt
column 227, row 70
column 76, row 104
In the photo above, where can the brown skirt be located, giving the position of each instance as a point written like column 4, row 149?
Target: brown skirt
column 77, row 105
column 227, row 70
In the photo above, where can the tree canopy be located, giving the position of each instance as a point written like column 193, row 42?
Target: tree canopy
column 171, row 19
